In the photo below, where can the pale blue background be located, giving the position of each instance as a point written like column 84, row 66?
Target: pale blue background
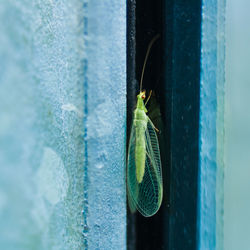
column 237, row 127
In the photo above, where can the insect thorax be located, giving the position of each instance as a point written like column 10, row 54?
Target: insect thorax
column 140, row 117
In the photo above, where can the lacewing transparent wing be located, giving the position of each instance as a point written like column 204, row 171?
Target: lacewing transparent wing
column 145, row 196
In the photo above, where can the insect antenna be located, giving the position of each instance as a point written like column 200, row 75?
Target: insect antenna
column 146, row 58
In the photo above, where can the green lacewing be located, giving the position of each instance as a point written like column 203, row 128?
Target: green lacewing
column 144, row 174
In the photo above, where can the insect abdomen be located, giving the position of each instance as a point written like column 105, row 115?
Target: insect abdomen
column 140, row 144
column 140, row 153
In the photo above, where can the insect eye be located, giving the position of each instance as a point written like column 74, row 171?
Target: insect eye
column 143, row 97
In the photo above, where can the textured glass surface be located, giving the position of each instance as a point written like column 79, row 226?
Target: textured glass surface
column 62, row 124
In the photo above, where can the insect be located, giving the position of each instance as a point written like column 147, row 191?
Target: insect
column 144, row 174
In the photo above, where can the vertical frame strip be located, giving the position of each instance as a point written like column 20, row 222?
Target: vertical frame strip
column 211, row 172
column 105, row 125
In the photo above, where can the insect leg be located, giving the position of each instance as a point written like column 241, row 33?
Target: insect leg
column 150, row 93
column 156, row 129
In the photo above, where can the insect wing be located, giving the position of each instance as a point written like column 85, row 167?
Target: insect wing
column 147, row 195
column 132, row 185
column 152, row 188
